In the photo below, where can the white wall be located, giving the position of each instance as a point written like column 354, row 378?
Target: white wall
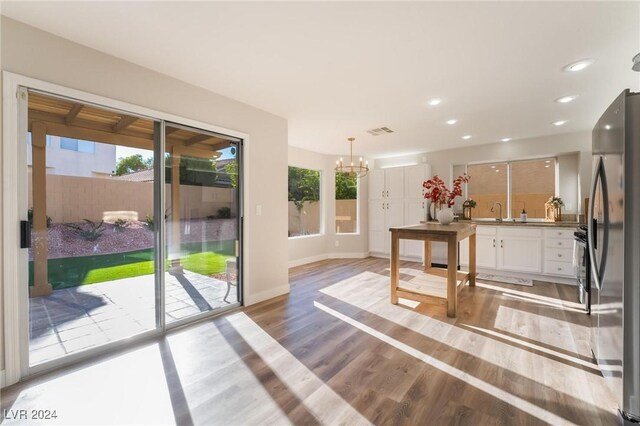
column 1, row 236
column 28, row 51
column 317, row 247
column 570, row 148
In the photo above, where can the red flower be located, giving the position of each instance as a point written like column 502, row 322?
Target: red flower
column 438, row 193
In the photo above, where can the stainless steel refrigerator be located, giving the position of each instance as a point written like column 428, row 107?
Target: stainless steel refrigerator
column 614, row 237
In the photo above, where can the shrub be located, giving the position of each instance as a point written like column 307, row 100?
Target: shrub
column 150, row 222
column 89, row 231
column 120, row 224
column 30, row 218
column 224, row 213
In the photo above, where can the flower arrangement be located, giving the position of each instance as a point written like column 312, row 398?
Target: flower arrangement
column 439, row 194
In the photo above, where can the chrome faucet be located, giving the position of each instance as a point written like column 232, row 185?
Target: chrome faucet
column 499, row 217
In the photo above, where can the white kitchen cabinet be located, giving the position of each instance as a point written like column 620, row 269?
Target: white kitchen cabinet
column 376, row 184
column 383, row 214
column 414, row 212
column 486, row 250
column 558, row 252
column 394, row 183
column 519, row 249
column 390, row 205
column 414, row 176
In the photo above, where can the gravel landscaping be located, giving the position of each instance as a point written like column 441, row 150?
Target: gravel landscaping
column 65, row 242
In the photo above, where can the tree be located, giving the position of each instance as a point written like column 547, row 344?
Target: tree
column 304, row 184
column 232, row 170
column 133, row 163
column 346, row 186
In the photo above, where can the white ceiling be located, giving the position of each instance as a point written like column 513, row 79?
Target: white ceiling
column 337, row 69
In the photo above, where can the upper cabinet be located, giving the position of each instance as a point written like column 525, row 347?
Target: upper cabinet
column 414, row 176
column 376, row 184
column 394, row 183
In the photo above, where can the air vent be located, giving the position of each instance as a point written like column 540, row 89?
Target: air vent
column 380, row 131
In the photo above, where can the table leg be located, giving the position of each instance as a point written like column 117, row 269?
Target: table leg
column 472, row 260
column 395, row 267
column 452, row 279
column 427, row 254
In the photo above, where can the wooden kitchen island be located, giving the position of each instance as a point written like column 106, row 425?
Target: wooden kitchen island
column 451, row 234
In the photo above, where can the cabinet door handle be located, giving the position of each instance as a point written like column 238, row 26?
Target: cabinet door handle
column 382, row 206
column 387, row 193
column 559, row 255
column 559, row 268
column 387, row 206
column 559, row 233
column 494, row 242
column 559, row 243
column 383, row 193
column 501, row 244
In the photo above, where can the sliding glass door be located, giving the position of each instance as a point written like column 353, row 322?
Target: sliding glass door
column 92, row 257
column 202, row 232
column 133, row 226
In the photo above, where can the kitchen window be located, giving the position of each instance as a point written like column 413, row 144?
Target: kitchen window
column 304, row 202
column 516, row 185
column 346, row 203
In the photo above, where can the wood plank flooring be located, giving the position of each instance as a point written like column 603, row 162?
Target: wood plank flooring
column 335, row 351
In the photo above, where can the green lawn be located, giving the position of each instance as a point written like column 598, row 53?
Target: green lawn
column 203, row 258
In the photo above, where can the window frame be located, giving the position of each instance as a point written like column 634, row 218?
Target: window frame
column 321, row 215
column 357, row 230
column 509, row 164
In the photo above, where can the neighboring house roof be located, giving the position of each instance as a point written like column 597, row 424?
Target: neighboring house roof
column 147, row 175
column 141, row 176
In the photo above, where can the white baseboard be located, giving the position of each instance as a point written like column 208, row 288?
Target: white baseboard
column 348, row 255
column 267, row 294
column 305, row 260
column 325, row 256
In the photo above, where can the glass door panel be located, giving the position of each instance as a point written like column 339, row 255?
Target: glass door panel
column 201, row 216
column 91, row 203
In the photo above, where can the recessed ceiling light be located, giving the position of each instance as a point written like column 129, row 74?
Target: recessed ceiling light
column 452, row 121
column 607, row 126
column 547, row 161
column 434, row 102
column 493, row 167
column 465, row 137
column 505, row 139
column 559, row 122
column 578, row 65
column 566, row 99
column 547, row 166
column 497, row 170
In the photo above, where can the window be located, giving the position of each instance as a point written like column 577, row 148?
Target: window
column 532, row 183
column 304, row 201
column 346, row 203
column 515, row 185
column 77, row 145
column 488, row 185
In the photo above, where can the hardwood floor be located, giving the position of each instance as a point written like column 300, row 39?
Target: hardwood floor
column 335, row 351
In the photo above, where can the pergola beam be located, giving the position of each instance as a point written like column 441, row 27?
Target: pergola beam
column 124, row 122
column 73, row 113
column 197, row 139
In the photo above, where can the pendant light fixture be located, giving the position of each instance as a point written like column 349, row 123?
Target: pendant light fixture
column 358, row 170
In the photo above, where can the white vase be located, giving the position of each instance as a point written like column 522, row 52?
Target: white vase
column 445, row 216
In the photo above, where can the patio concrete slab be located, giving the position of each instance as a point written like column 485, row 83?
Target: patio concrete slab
column 78, row 318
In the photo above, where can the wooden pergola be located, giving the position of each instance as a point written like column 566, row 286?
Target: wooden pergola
column 48, row 115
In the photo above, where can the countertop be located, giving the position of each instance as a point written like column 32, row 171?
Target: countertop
column 561, row 224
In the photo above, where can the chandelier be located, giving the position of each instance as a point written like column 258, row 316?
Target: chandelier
column 357, row 170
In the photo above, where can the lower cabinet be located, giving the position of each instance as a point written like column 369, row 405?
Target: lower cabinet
column 522, row 249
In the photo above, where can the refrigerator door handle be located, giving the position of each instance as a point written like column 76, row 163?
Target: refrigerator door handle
column 598, row 270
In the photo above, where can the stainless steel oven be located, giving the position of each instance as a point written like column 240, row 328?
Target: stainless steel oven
column 583, row 268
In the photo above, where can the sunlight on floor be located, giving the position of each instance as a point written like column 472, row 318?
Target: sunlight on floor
column 488, row 388
column 318, row 398
column 499, row 352
column 129, row 389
